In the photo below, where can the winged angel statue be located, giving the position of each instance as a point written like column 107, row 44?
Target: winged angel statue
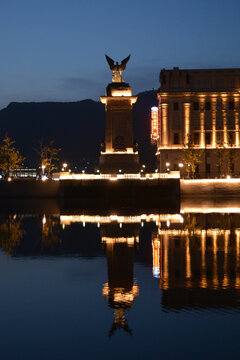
column 117, row 69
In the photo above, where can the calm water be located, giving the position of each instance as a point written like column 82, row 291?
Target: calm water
column 132, row 285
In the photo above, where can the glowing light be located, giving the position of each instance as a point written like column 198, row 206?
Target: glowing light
column 9, row 179
column 44, row 178
column 44, row 220
column 167, row 164
column 228, row 177
column 154, row 118
column 180, row 165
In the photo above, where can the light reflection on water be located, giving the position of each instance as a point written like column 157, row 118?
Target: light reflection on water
column 145, row 266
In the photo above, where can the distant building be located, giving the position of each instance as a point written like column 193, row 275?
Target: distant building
column 204, row 103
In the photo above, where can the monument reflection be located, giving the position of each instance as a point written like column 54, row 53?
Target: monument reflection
column 195, row 254
column 120, row 290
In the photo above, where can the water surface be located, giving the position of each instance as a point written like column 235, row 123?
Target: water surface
column 133, row 285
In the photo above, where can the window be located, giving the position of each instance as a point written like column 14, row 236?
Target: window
column 230, row 123
column 175, row 106
column 195, row 106
column 175, row 138
column 219, row 83
column 176, row 124
column 208, row 138
column 231, row 137
column 208, row 123
column 207, row 84
column 219, row 123
column 219, row 105
column 208, row 168
column 196, row 123
column 196, row 138
column 175, row 84
column 207, row 105
column 231, row 83
column 219, row 138
column 231, row 105
column 195, row 84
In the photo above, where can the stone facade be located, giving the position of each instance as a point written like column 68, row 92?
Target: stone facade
column 204, row 103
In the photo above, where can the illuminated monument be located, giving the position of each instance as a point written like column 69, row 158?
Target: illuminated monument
column 119, row 152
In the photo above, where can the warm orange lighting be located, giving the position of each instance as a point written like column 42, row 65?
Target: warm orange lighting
column 154, row 118
column 156, row 252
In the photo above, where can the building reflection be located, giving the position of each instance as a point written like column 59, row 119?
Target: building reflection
column 198, row 262
column 121, row 289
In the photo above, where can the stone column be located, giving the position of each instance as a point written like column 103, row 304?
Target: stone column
column 186, row 121
column 224, row 117
column 164, row 124
column 214, row 114
column 202, row 134
column 236, row 114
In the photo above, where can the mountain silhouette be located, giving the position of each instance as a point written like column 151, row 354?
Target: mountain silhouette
column 76, row 127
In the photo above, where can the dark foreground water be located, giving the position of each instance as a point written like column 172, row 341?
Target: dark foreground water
column 128, row 286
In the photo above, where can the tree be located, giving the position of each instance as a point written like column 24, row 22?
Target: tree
column 48, row 156
column 230, row 157
column 10, row 157
column 191, row 156
column 221, row 154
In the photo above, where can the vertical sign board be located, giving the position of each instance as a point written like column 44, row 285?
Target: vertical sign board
column 154, row 122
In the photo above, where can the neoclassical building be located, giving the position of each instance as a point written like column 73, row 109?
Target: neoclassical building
column 204, row 103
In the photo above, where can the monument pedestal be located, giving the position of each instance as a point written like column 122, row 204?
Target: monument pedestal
column 119, row 151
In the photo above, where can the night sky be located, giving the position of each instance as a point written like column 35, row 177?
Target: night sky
column 53, row 50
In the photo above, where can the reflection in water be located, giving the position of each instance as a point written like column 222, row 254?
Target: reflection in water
column 199, row 262
column 196, row 256
column 120, row 290
column 50, row 231
column 11, row 233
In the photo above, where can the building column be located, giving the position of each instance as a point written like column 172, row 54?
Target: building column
column 164, row 124
column 202, row 134
column 214, row 114
column 236, row 114
column 186, row 121
column 224, row 117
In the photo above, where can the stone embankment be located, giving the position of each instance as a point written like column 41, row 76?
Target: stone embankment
column 210, row 188
column 156, row 193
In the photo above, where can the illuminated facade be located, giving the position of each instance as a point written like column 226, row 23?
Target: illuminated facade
column 205, row 104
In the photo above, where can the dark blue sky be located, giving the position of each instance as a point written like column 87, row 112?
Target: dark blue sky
column 53, row 50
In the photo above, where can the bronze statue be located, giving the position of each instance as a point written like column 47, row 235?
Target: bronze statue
column 117, row 69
